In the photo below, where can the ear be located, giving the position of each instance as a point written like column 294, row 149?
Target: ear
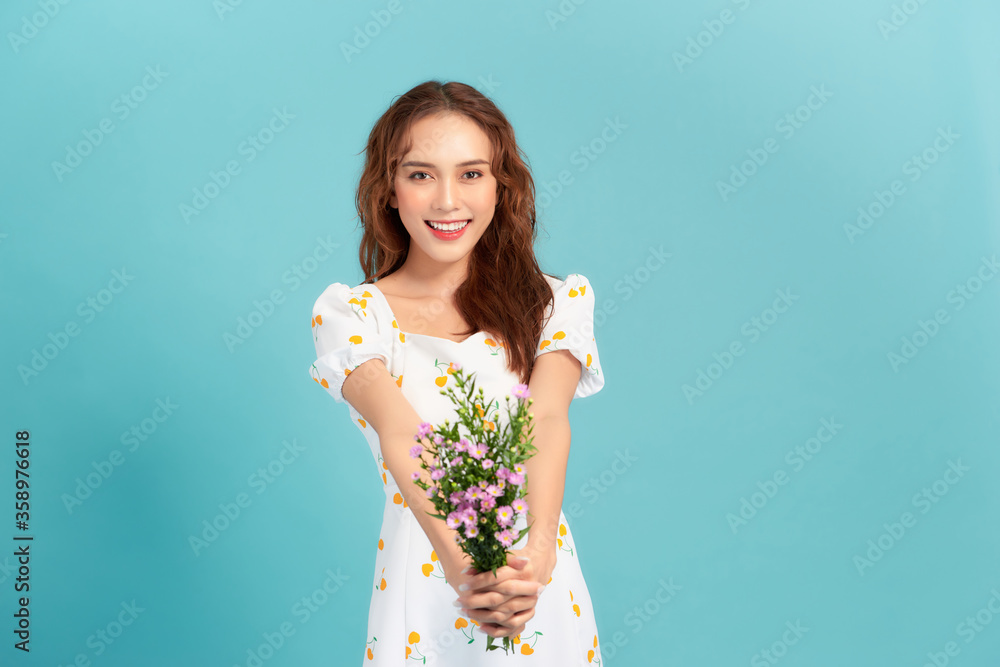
column 392, row 201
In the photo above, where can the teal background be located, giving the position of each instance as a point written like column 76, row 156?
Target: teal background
column 669, row 515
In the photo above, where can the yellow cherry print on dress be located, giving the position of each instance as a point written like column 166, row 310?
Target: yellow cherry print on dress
column 414, row 638
column 428, row 568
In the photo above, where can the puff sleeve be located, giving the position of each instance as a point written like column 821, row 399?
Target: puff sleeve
column 346, row 333
column 570, row 326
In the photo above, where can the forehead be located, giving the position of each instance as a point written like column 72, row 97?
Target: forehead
column 447, row 136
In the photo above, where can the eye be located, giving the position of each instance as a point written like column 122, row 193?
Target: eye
column 477, row 173
column 414, row 174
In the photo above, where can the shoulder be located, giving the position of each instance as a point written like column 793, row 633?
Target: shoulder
column 575, row 286
column 340, row 300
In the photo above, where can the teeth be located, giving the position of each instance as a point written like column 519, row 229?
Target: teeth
column 449, row 227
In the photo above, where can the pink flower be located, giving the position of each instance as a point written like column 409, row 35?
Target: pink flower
column 487, row 464
column 520, row 390
column 437, row 474
column 516, row 478
column 520, row 506
column 504, row 537
column 471, row 530
column 479, row 451
column 462, row 444
column 431, row 491
column 416, row 451
column 487, row 503
column 494, row 490
column 456, row 461
column 414, row 475
column 424, row 429
column 505, row 515
column 469, row 517
column 518, row 468
column 456, row 497
column 456, row 366
column 453, row 520
column 438, row 439
column 502, row 472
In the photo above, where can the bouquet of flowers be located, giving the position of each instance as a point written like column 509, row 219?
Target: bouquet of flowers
column 478, row 473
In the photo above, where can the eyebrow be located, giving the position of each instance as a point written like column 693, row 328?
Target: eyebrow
column 428, row 165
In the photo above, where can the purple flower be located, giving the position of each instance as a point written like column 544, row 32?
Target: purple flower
column 462, row 444
column 504, row 537
column 438, row 439
column 520, row 506
column 415, row 451
column 431, row 491
column 424, row 429
column 487, row 464
column 414, row 475
column 456, row 461
column 505, row 516
column 521, row 391
column 437, row 474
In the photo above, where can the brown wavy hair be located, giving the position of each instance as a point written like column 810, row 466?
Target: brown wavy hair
column 506, row 293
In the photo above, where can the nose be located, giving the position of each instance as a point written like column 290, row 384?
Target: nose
column 445, row 195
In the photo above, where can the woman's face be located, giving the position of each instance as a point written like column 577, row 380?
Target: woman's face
column 445, row 178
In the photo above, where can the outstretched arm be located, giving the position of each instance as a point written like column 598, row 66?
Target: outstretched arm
column 552, row 385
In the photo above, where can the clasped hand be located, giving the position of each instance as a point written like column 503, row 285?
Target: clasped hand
column 504, row 603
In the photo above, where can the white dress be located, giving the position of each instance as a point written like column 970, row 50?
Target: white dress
column 411, row 618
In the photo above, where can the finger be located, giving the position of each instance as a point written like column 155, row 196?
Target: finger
column 511, row 588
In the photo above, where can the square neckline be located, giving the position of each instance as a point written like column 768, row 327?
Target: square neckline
column 407, row 333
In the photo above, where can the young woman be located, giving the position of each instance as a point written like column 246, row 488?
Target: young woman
column 447, row 206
